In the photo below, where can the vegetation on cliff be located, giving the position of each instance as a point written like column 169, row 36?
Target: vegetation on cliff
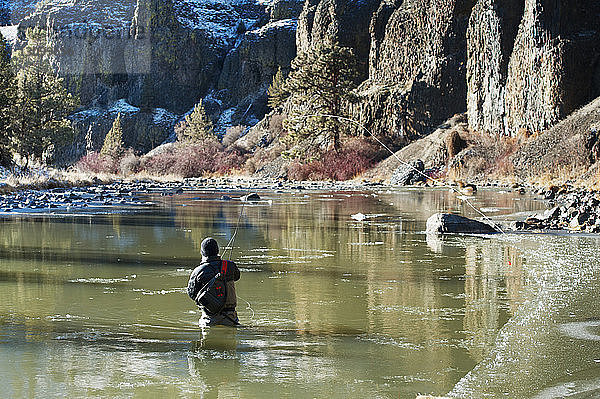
column 321, row 83
column 34, row 102
column 196, row 126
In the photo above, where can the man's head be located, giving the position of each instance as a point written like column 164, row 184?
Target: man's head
column 209, row 247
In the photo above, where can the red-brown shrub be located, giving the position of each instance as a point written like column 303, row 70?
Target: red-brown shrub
column 94, row 162
column 193, row 160
column 356, row 156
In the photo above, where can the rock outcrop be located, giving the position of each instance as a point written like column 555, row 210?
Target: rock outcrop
column 417, row 67
column 344, row 21
column 490, row 40
column 552, row 64
column 248, row 70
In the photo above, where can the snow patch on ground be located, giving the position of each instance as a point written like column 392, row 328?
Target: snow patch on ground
column 87, row 113
column 281, row 24
column 161, row 116
column 123, row 106
column 9, row 33
column 225, row 121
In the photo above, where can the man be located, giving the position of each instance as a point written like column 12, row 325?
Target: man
column 210, row 266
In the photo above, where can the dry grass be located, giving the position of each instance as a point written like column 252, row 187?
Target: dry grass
column 486, row 157
column 50, row 178
column 561, row 175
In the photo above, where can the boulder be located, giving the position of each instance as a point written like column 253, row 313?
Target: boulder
column 409, row 174
column 448, row 223
column 250, row 197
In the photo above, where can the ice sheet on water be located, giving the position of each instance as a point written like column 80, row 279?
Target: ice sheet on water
column 98, row 280
column 160, row 292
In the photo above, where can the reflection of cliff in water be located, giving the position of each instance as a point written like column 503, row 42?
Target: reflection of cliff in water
column 546, row 349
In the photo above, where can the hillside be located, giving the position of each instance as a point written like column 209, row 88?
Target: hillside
column 513, row 68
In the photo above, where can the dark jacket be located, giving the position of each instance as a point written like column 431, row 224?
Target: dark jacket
column 207, row 270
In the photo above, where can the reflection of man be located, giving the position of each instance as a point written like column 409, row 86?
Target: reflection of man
column 210, row 266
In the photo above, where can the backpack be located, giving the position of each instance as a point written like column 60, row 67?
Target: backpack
column 214, row 293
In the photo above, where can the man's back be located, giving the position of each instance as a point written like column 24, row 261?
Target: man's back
column 201, row 275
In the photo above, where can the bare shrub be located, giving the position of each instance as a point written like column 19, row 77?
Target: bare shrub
column 94, row 162
column 129, row 163
column 233, row 134
column 356, row 156
column 194, row 160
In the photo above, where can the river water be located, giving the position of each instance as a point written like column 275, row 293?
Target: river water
column 93, row 304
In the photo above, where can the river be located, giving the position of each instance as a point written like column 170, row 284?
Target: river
column 93, row 302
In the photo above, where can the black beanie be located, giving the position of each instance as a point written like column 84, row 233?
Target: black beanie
column 209, row 247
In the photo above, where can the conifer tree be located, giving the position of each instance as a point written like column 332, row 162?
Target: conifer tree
column 322, row 82
column 7, row 91
column 113, row 142
column 197, row 126
column 41, row 104
column 277, row 91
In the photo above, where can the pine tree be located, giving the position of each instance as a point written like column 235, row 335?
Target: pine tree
column 277, row 91
column 322, row 82
column 42, row 104
column 113, row 142
column 197, row 126
column 7, row 91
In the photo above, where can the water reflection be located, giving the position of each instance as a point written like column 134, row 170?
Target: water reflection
column 549, row 346
column 373, row 306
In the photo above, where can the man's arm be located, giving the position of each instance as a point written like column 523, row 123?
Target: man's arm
column 197, row 281
column 191, row 288
column 233, row 273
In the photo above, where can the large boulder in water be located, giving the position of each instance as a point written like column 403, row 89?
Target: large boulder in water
column 443, row 223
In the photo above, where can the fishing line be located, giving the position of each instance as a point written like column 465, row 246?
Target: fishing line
column 506, row 236
column 439, row 182
column 248, row 306
column 230, row 246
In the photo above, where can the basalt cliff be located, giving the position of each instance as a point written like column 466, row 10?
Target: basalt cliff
column 513, row 67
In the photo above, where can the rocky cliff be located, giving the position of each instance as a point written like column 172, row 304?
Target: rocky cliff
column 532, row 81
column 512, row 65
column 162, row 56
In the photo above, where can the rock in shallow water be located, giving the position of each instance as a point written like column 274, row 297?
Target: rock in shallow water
column 250, row 197
column 444, row 223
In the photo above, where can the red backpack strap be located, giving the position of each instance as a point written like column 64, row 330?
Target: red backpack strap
column 224, row 268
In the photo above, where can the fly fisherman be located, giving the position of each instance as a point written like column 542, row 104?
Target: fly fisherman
column 201, row 277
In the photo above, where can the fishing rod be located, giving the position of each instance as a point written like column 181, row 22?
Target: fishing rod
column 232, row 239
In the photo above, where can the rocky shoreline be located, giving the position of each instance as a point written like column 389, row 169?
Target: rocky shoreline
column 570, row 209
column 130, row 193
